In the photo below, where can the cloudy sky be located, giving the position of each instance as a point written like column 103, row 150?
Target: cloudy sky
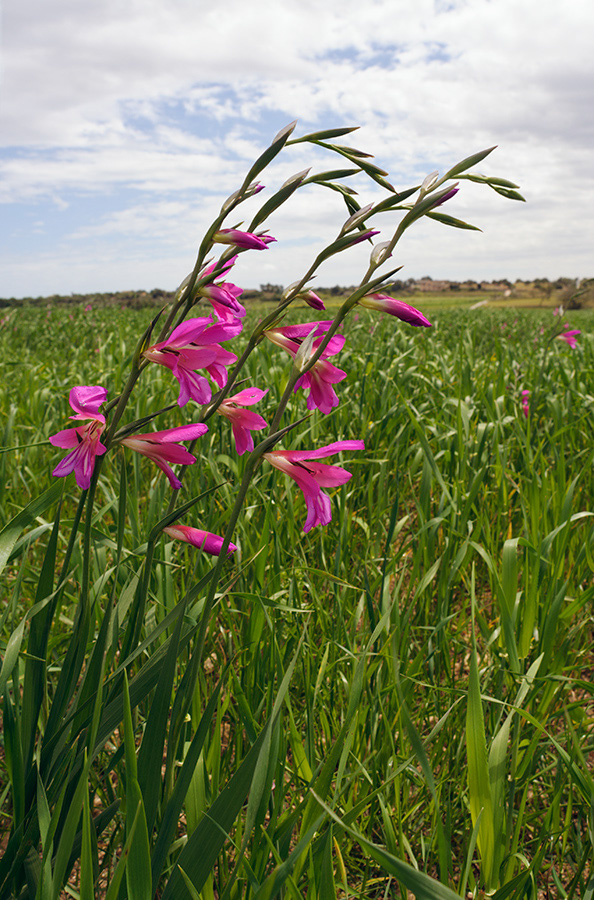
column 125, row 123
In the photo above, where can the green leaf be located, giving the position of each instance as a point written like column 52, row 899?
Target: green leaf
column 86, row 861
column 34, row 685
column 422, row 886
column 479, row 786
column 138, row 870
column 171, row 814
column 10, row 533
column 204, row 845
column 150, row 755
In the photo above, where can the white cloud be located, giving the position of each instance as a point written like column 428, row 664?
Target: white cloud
column 166, row 103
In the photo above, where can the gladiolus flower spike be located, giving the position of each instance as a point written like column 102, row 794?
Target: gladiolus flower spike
column 84, row 441
column 163, row 448
column 204, row 540
column 312, row 476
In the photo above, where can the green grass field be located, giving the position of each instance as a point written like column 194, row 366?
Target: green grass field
column 429, row 652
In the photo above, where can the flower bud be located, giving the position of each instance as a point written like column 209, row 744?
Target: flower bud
column 289, row 290
column 296, row 179
column 379, row 253
column 284, row 132
column 429, row 182
column 253, row 188
column 357, row 217
column 312, row 299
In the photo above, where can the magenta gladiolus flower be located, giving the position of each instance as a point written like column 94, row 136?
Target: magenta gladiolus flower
column 526, row 403
column 243, row 240
column 194, row 345
column 243, row 421
column 86, row 400
column 83, row 440
column 384, row 303
column 204, row 540
column 163, row 447
column 570, row 337
column 311, row 476
column 223, row 298
column 324, row 374
column 447, row 196
column 222, row 295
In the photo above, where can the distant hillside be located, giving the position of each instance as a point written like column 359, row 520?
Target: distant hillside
column 571, row 292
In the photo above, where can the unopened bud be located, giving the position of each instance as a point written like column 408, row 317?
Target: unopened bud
column 284, row 132
column 312, row 299
column 254, row 188
column 380, row 254
column 429, row 182
column 357, row 217
column 296, row 179
column 288, row 291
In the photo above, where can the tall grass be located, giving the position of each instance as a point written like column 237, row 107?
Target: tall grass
column 399, row 702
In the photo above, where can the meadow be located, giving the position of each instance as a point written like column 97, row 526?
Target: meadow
column 400, row 703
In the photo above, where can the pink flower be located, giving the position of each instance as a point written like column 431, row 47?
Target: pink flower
column 570, row 337
column 83, row 440
column 324, row 374
column 243, row 239
column 222, row 295
column 243, row 421
column 163, row 447
column 223, row 298
column 204, row 540
column 311, row 477
column 526, row 403
column 386, row 304
column 194, row 345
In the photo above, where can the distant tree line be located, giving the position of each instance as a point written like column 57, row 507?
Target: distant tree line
column 573, row 293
